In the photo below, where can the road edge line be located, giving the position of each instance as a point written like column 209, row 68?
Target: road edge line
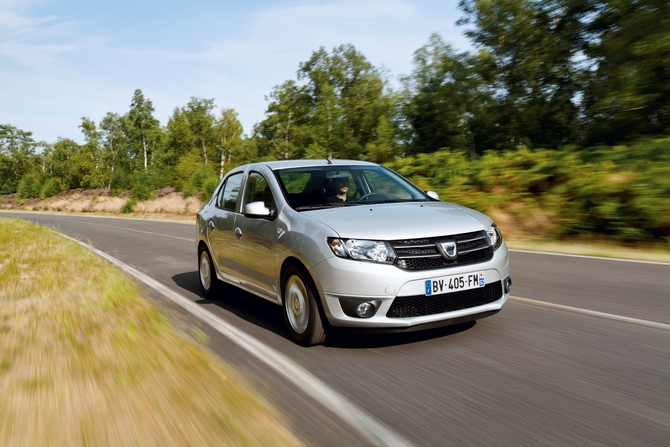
column 374, row 430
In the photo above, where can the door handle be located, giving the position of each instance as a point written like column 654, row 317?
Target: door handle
column 238, row 232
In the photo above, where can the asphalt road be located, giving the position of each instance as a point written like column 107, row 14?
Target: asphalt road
column 532, row 375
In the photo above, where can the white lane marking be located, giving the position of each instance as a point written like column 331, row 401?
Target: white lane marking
column 600, row 258
column 373, row 430
column 136, row 231
column 594, row 313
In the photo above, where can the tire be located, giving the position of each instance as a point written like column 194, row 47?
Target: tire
column 301, row 311
column 209, row 283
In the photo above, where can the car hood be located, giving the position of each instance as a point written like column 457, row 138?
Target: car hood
column 392, row 221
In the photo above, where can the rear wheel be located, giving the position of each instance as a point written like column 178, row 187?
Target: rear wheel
column 301, row 312
column 209, row 283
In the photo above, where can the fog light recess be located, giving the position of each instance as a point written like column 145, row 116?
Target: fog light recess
column 507, row 283
column 360, row 308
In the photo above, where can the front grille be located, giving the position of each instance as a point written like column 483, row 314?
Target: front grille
column 424, row 254
column 419, row 305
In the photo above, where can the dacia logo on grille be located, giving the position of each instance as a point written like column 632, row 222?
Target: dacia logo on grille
column 449, row 249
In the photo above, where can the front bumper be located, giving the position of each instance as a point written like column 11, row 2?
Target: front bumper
column 340, row 279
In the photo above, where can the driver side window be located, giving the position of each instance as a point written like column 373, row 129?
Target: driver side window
column 258, row 190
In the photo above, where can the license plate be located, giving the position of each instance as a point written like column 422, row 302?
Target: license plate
column 448, row 284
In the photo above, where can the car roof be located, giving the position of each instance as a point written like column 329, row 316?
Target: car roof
column 287, row 164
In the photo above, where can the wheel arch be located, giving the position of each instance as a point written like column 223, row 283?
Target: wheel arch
column 295, row 262
column 203, row 245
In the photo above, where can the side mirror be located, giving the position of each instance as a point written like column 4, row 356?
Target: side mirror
column 256, row 209
column 432, row 195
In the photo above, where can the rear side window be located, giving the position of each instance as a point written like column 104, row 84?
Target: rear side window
column 230, row 192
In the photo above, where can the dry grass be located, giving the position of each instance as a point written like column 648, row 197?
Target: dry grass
column 172, row 203
column 78, row 203
column 85, row 360
column 99, row 201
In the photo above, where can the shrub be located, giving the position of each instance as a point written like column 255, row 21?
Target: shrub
column 209, row 185
column 52, row 187
column 141, row 186
column 141, row 191
column 29, row 186
column 129, row 205
column 204, row 179
column 195, row 176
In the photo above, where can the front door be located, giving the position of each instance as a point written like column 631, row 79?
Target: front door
column 256, row 237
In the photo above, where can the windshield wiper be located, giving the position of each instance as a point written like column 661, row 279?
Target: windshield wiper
column 390, row 201
column 317, row 206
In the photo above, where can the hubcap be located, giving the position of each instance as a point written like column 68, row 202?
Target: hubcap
column 297, row 306
column 205, row 278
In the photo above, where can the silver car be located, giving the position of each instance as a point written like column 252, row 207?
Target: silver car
column 350, row 244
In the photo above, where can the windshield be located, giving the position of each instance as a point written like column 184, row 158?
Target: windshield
column 327, row 186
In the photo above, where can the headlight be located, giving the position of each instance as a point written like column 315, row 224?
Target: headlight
column 362, row 250
column 495, row 236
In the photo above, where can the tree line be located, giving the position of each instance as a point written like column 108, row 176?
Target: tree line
column 543, row 74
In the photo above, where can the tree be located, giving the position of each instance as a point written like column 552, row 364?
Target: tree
column 286, row 114
column 441, row 97
column 143, row 130
column 198, row 114
column 228, row 130
column 86, row 162
column 384, row 147
column 179, row 138
column 17, row 156
column 61, row 164
column 628, row 92
column 344, row 86
column 115, row 144
column 528, row 63
column 327, row 124
column 334, row 110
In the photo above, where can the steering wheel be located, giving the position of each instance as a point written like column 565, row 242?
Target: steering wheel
column 365, row 196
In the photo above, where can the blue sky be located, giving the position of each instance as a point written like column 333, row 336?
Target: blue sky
column 61, row 60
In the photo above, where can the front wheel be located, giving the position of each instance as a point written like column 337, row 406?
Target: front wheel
column 209, row 283
column 301, row 312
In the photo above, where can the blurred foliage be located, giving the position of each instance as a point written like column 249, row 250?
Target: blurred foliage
column 627, row 92
column 620, row 191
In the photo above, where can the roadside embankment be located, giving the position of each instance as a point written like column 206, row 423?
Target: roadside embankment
column 162, row 201
column 533, row 229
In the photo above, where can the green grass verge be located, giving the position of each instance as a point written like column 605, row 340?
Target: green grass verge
column 86, row 360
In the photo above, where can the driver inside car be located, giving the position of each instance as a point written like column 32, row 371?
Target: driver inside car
column 339, row 188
